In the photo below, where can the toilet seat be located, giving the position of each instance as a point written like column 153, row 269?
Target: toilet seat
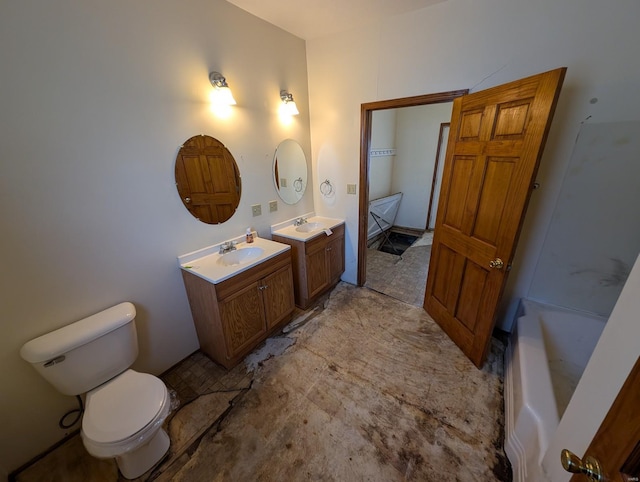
column 121, row 413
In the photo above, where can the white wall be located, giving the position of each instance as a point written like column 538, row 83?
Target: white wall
column 594, row 236
column 96, row 98
column 418, row 129
column 475, row 44
column 383, row 136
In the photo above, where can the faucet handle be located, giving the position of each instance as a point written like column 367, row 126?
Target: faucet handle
column 227, row 246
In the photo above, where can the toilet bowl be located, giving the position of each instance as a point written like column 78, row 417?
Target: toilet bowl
column 124, row 409
column 123, row 419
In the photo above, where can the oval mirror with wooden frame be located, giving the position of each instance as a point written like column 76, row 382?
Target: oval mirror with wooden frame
column 208, row 179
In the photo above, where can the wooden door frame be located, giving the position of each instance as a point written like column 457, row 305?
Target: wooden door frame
column 366, row 118
column 443, row 125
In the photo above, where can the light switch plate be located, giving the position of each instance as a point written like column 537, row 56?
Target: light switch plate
column 351, row 188
column 256, row 209
column 273, row 206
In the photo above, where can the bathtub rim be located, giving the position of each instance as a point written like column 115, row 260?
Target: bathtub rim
column 529, row 426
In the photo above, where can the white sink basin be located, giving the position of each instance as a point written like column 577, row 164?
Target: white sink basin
column 308, row 227
column 240, row 256
column 213, row 267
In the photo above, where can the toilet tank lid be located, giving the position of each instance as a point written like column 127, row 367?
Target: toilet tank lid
column 62, row 340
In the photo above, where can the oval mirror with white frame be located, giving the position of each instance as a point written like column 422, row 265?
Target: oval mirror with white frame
column 290, row 171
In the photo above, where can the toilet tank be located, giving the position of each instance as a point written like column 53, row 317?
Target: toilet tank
column 78, row 357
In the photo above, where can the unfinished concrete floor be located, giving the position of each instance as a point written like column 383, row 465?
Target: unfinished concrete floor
column 369, row 389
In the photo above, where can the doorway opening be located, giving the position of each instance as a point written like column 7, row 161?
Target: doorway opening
column 400, row 268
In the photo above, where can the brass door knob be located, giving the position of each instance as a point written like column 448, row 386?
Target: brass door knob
column 496, row 263
column 589, row 467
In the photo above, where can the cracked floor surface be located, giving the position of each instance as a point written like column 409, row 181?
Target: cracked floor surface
column 368, row 388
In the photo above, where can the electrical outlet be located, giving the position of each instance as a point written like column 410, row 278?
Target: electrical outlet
column 351, row 188
column 256, row 209
column 273, row 206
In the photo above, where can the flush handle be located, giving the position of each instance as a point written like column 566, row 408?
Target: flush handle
column 54, row 361
column 496, row 263
column 589, row 466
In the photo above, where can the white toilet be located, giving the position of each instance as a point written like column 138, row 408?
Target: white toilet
column 124, row 409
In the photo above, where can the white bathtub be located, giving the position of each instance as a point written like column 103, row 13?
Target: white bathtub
column 547, row 353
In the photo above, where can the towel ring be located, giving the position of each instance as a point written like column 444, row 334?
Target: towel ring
column 297, row 185
column 326, row 188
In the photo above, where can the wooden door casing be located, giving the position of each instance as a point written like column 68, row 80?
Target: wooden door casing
column 436, row 180
column 495, row 143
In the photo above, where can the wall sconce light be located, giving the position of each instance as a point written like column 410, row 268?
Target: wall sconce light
column 288, row 106
column 221, row 94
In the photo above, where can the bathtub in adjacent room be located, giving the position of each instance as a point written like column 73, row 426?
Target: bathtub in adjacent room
column 548, row 351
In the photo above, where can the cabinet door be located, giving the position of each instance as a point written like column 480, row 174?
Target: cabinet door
column 277, row 292
column 242, row 317
column 317, row 270
column 335, row 258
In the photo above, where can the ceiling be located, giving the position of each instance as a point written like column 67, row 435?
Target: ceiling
column 310, row 19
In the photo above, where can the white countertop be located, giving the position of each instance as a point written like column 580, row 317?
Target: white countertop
column 206, row 262
column 288, row 230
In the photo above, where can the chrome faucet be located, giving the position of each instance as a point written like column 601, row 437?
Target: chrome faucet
column 227, row 246
column 300, row 221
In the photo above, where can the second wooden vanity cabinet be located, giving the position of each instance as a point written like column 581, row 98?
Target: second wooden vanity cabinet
column 233, row 316
column 318, row 264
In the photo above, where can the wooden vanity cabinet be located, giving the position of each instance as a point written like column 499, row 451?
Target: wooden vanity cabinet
column 232, row 317
column 317, row 264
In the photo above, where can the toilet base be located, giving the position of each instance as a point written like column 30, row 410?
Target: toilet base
column 135, row 463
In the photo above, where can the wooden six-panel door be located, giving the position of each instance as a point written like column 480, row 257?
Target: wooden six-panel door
column 495, row 144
